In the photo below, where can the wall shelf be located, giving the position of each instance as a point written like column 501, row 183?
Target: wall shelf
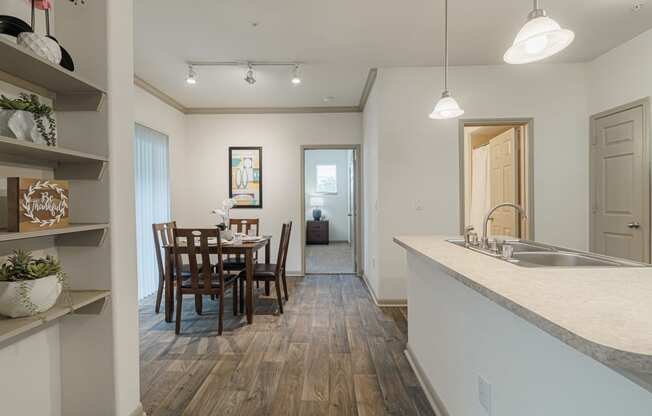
column 84, row 302
column 67, row 164
column 72, row 92
column 74, row 235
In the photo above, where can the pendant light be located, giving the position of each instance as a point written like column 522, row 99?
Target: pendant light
column 192, row 76
column 446, row 107
column 296, row 79
column 538, row 39
column 249, row 76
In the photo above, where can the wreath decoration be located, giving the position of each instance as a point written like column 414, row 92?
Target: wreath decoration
column 27, row 203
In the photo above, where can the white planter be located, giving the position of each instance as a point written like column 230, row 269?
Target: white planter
column 22, row 125
column 43, row 293
column 227, row 234
column 40, row 45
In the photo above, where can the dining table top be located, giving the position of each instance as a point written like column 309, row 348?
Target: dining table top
column 244, row 244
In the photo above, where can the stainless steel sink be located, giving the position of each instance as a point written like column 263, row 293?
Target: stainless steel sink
column 533, row 254
column 560, row 259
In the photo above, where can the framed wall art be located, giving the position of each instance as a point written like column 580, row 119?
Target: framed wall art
column 37, row 204
column 246, row 176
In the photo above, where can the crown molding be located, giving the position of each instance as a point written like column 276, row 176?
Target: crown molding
column 371, row 78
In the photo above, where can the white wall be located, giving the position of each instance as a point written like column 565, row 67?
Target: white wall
column 370, row 231
column 531, row 373
column 336, row 206
column 157, row 115
column 208, row 138
column 622, row 75
column 419, row 160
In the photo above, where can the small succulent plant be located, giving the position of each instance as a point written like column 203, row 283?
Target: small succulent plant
column 23, row 267
column 31, row 103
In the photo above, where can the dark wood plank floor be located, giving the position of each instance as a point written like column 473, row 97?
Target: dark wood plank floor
column 333, row 352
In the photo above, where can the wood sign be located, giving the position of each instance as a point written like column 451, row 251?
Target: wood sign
column 37, row 204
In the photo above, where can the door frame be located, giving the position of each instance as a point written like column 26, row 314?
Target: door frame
column 528, row 122
column 645, row 103
column 357, row 215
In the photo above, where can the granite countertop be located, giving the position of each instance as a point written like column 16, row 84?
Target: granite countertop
column 605, row 313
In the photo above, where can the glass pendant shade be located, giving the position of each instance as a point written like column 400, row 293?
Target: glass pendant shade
column 447, row 107
column 538, row 39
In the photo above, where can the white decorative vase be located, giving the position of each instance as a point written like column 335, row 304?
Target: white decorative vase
column 43, row 293
column 5, row 115
column 40, row 45
column 22, row 125
column 227, row 234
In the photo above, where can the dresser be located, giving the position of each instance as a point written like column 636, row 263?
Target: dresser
column 317, row 232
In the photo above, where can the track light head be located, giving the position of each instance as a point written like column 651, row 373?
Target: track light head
column 249, row 76
column 296, row 79
column 192, row 76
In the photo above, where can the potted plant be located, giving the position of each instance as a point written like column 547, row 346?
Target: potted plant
column 28, row 119
column 28, row 285
column 224, row 217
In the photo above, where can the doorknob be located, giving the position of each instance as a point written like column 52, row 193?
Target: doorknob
column 634, row 224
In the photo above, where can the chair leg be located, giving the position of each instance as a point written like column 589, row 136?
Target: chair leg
column 234, row 294
column 159, row 294
column 220, row 324
column 277, row 286
column 177, row 323
column 199, row 304
column 212, row 297
column 285, row 286
column 266, row 287
column 242, row 293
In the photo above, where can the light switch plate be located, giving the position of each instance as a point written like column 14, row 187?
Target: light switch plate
column 484, row 394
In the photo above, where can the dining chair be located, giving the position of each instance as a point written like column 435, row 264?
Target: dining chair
column 202, row 281
column 272, row 272
column 240, row 225
column 162, row 237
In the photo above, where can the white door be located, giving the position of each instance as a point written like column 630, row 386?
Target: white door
column 620, row 185
column 504, row 182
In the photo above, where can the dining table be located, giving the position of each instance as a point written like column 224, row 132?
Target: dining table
column 245, row 248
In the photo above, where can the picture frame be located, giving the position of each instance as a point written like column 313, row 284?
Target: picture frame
column 246, row 176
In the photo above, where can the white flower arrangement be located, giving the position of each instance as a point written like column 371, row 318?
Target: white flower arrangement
column 224, row 214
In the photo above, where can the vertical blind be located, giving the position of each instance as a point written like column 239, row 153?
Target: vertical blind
column 152, row 201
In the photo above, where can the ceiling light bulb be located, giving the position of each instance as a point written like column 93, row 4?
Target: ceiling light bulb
column 538, row 39
column 296, row 79
column 447, row 107
column 192, row 76
column 249, row 76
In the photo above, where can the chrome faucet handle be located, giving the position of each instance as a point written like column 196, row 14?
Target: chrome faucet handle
column 467, row 234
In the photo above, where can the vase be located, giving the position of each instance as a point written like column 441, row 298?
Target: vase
column 40, row 45
column 22, row 125
column 227, row 234
column 5, row 115
column 43, row 293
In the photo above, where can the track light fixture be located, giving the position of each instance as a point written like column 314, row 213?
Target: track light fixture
column 192, row 76
column 249, row 76
column 296, row 79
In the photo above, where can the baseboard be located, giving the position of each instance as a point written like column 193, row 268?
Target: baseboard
column 432, row 396
column 139, row 411
column 385, row 303
column 294, row 274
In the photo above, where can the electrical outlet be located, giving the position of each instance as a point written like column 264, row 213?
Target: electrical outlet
column 418, row 205
column 484, row 394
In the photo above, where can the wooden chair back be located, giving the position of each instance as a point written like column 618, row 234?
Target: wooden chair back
column 194, row 243
column 287, row 244
column 282, row 248
column 162, row 237
column 243, row 225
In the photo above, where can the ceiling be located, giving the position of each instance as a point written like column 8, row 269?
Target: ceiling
column 340, row 40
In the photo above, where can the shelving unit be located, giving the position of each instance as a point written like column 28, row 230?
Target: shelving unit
column 83, row 302
column 72, row 92
column 73, row 235
column 67, row 164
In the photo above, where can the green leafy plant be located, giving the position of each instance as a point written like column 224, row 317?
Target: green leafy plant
column 23, row 267
column 41, row 112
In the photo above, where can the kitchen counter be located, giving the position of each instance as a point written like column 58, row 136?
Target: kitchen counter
column 605, row 313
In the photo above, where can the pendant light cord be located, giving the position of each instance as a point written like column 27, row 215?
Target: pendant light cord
column 445, row 46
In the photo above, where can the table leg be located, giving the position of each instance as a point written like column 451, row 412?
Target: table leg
column 249, row 295
column 169, row 293
column 267, row 255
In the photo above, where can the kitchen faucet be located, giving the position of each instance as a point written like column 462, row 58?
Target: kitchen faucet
column 485, row 240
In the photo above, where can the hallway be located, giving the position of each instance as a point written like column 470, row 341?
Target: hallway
column 332, row 352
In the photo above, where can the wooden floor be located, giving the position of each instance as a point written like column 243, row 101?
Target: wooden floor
column 332, row 352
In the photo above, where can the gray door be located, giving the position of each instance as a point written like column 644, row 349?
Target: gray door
column 620, row 185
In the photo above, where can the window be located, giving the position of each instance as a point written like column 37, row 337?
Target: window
column 327, row 179
column 152, row 201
